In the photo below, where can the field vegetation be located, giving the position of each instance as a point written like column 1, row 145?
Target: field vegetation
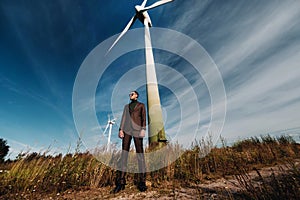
column 36, row 174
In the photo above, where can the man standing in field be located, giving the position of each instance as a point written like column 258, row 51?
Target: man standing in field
column 133, row 125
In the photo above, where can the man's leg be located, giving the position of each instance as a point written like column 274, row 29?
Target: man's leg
column 141, row 162
column 120, row 179
column 124, row 156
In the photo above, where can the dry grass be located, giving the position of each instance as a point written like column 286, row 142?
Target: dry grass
column 35, row 173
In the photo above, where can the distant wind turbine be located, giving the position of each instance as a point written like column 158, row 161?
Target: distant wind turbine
column 110, row 123
column 156, row 130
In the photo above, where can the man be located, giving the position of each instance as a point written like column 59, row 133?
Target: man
column 133, row 125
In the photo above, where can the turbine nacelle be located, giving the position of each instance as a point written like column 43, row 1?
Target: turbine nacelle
column 112, row 122
column 138, row 8
column 142, row 15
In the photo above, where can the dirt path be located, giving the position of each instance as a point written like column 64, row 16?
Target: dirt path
column 216, row 189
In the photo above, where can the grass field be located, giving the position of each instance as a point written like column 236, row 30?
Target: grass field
column 38, row 174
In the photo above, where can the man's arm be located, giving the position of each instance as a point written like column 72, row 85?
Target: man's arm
column 121, row 133
column 143, row 117
column 143, row 122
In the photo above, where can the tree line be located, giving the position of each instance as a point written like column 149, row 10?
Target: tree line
column 4, row 148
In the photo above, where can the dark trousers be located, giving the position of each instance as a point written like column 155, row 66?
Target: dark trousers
column 138, row 142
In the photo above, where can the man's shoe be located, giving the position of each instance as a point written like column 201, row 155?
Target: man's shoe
column 118, row 188
column 120, row 185
column 142, row 187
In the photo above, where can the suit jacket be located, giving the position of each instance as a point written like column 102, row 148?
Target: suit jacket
column 134, row 121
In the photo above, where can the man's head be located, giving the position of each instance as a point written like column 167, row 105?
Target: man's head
column 134, row 95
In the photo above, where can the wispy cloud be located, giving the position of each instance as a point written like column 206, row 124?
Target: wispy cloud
column 264, row 97
column 258, row 60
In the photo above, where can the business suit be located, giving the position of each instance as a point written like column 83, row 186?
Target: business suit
column 134, row 120
column 133, row 125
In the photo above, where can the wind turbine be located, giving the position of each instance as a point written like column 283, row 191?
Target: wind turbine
column 110, row 123
column 157, row 136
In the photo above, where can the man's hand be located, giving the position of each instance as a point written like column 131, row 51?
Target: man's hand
column 121, row 134
column 142, row 133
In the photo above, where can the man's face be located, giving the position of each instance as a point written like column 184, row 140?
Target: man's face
column 133, row 96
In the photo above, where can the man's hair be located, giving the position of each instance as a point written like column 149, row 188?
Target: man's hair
column 136, row 93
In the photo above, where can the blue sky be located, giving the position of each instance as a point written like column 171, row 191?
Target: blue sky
column 255, row 45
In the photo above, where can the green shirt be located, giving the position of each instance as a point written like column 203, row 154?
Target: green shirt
column 132, row 105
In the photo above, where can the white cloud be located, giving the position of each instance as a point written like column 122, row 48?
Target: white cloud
column 259, row 60
column 266, row 29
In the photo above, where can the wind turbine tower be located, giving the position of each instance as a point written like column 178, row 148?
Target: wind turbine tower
column 109, row 125
column 157, row 136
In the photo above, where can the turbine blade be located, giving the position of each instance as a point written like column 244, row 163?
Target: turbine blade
column 144, row 3
column 156, row 4
column 124, row 31
column 105, row 129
